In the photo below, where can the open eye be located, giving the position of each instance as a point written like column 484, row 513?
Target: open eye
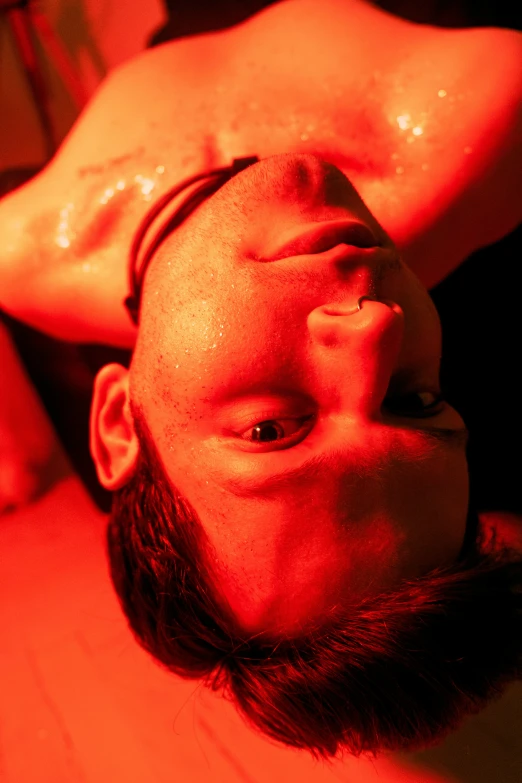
column 418, row 405
column 276, row 431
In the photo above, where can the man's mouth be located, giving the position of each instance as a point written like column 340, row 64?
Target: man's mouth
column 324, row 236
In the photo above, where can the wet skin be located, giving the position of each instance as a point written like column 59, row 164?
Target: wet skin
column 245, row 368
column 422, row 120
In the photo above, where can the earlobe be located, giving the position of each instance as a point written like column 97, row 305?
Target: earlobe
column 113, row 442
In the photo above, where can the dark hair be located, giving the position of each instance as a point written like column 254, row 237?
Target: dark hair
column 397, row 673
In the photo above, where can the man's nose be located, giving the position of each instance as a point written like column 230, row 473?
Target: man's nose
column 356, row 351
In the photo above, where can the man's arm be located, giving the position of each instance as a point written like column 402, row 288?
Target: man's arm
column 71, row 296
column 484, row 199
column 32, row 459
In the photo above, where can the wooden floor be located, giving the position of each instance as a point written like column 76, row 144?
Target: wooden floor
column 82, row 703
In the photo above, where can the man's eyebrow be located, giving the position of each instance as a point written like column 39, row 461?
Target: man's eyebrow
column 315, row 466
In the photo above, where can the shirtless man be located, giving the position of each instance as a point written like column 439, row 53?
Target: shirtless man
column 285, row 543
column 422, row 120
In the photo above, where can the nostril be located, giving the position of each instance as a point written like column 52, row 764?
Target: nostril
column 338, row 312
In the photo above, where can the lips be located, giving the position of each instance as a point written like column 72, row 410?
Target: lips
column 324, row 236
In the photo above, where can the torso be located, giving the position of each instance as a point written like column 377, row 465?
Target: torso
column 422, row 120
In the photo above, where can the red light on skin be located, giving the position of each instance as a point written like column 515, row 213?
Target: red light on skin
column 324, row 236
column 506, row 526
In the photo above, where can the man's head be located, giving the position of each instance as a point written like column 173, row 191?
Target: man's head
column 228, row 341
column 266, row 492
column 394, row 672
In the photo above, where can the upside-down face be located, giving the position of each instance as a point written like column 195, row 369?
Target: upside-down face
column 307, row 434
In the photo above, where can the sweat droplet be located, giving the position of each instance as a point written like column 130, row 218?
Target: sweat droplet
column 108, row 194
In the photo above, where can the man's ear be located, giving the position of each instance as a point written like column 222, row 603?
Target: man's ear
column 113, row 442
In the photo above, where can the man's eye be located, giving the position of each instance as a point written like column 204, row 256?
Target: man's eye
column 274, row 430
column 416, row 404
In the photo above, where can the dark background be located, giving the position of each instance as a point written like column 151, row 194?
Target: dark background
column 190, row 17
column 478, row 303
